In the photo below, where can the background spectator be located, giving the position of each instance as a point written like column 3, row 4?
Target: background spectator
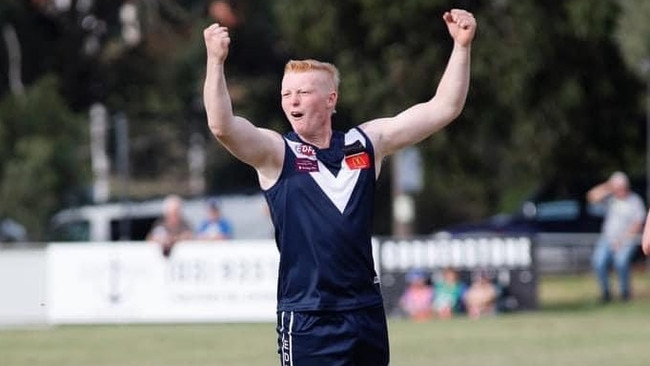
column 447, row 294
column 417, row 300
column 171, row 227
column 620, row 234
column 215, row 226
column 481, row 296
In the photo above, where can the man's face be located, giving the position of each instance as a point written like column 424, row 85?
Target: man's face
column 619, row 188
column 308, row 99
column 174, row 213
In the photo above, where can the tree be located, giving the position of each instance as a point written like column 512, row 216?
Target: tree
column 550, row 97
column 254, row 70
column 41, row 159
column 553, row 92
column 633, row 34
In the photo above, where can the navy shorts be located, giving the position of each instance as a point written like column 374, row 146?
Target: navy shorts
column 333, row 338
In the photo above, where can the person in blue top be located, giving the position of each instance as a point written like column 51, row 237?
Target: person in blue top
column 215, row 226
column 320, row 185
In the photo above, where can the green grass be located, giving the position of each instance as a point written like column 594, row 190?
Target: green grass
column 571, row 328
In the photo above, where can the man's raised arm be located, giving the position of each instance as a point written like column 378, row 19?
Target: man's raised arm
column 420, row 121
column 260, row 148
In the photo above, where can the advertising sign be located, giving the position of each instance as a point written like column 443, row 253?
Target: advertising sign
column 133, row 282
column 508, row 261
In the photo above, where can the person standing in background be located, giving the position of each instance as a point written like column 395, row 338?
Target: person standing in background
column 620, row 234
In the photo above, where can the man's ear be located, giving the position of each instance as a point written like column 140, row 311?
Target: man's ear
column 332, row 99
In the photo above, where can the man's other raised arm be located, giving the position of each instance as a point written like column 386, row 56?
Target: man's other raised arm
column 421, row 120
column 261, row 148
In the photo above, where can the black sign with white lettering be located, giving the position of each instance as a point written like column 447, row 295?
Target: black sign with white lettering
column 507, row 261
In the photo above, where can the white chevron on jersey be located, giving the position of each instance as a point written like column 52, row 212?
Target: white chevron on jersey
column 337, row 188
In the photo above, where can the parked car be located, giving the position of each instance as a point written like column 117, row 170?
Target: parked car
column 12, row 231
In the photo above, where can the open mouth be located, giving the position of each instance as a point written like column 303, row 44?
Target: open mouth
column 297, row 114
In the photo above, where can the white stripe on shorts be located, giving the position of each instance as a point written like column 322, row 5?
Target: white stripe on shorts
column 291, row 340
column 286, row 354
column 282, row 339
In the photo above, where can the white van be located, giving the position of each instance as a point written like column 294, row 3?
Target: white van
column 132, row 220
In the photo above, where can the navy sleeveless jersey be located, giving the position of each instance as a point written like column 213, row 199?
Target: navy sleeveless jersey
column 322, row 209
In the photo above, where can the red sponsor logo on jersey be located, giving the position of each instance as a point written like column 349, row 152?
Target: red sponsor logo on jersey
column 305, row 150
column 358, row 161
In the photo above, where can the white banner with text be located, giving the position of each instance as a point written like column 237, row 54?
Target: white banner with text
column 132, row 282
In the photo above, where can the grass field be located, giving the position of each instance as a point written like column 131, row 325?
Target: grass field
column 571, row 328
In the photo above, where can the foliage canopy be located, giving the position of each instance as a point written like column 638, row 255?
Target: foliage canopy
column 556, row 92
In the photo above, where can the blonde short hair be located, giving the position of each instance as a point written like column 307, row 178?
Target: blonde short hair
column 314, row 65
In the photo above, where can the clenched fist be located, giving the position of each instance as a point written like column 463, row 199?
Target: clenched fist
column 461, row 25
column 217, row 41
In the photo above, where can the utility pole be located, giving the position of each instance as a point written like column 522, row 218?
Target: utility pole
column 406, row 172
column 14, row 71
column 196, row 163
column 99, row 158
column 122, row 160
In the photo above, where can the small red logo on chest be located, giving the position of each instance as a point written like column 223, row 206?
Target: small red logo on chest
column 358, row 161
column 305, row 150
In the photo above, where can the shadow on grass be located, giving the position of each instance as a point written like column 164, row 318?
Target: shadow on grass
column 594, row 305
column 573, row 306
column 577, row 293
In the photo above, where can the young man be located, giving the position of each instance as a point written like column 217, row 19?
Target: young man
column 319, row 184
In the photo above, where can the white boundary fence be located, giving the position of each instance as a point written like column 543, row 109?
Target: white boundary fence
column 22, row 287
column 131, row 282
